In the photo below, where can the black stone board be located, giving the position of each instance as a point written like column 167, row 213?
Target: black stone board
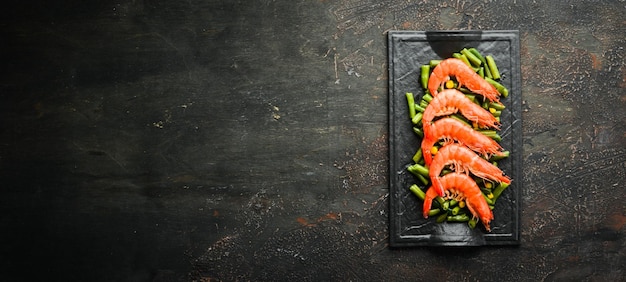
column 407, row 51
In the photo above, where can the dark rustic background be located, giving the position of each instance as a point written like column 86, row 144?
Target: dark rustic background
column 247, row 140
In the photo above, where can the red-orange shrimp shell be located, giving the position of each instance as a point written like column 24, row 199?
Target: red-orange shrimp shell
column 450, row 129
column 464, row 75
column 462, row 187
column 463, row 160
column 450, row 101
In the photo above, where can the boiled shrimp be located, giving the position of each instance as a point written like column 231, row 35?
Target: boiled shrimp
column 464, row 75
column 450, row 101
column 463, row 160
column 462, row 187
column 450, row 129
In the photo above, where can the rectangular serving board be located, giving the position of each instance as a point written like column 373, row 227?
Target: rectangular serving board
column 407, row 51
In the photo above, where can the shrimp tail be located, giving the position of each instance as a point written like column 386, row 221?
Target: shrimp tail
column 428, row 201
column 485, row 219
column 438, row 187
column 427, row 144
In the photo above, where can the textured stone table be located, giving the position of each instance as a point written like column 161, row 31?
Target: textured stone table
column 247, row 140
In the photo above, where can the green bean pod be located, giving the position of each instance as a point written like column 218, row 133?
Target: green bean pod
column 472, row 223
column 503, row 90
column 477, row 54
column 443, row 217
column 434, row 63
column 417, row 192
column 491, row 63
column 418, row 169
column 427, row 97
column 464, row 59
column 434, row 212
column 503, row 155
column 423, row 179
column 418, row 156
column 456, row 210
column 424, row 75
column 498, row 190
column 411, row 101
column 417, row 117
column 497, row 106
column 475, row 61
column 418, row 131
column 458, row 218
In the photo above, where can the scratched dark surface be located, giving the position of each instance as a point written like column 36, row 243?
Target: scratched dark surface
column 247, row 140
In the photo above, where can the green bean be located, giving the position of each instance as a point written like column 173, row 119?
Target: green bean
column 442, row 217
column 423, row 104
column 491, row 63
column 438, row 203
column 503, row 155
column 475, row 61
column 472, row 223
column 477, row 54
column 422, row 179
column 483, row 189
column 427, row 97
column 466, row 91
column 453, row 202
column 456, row 210
column 446, row 205
column 418, row 131
column 417, row 191
column 482, row 60
column 433, row 212
column 440, row 200
column 418, row 156
column 487, row 71
column 491, row 134
column 462, row 58
column 478, row 100
column 411, row 101
column 481, row 72
column 417, row 118
column 498, row 190
column 458, row 218
column 461, row 119
column 424, row 74
column 485, row 105
column 419, row 109
column 499, row 87
column 489, row 201
column 433, row 63
column 497, row 106
column 418, row 169
column 472, row 97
